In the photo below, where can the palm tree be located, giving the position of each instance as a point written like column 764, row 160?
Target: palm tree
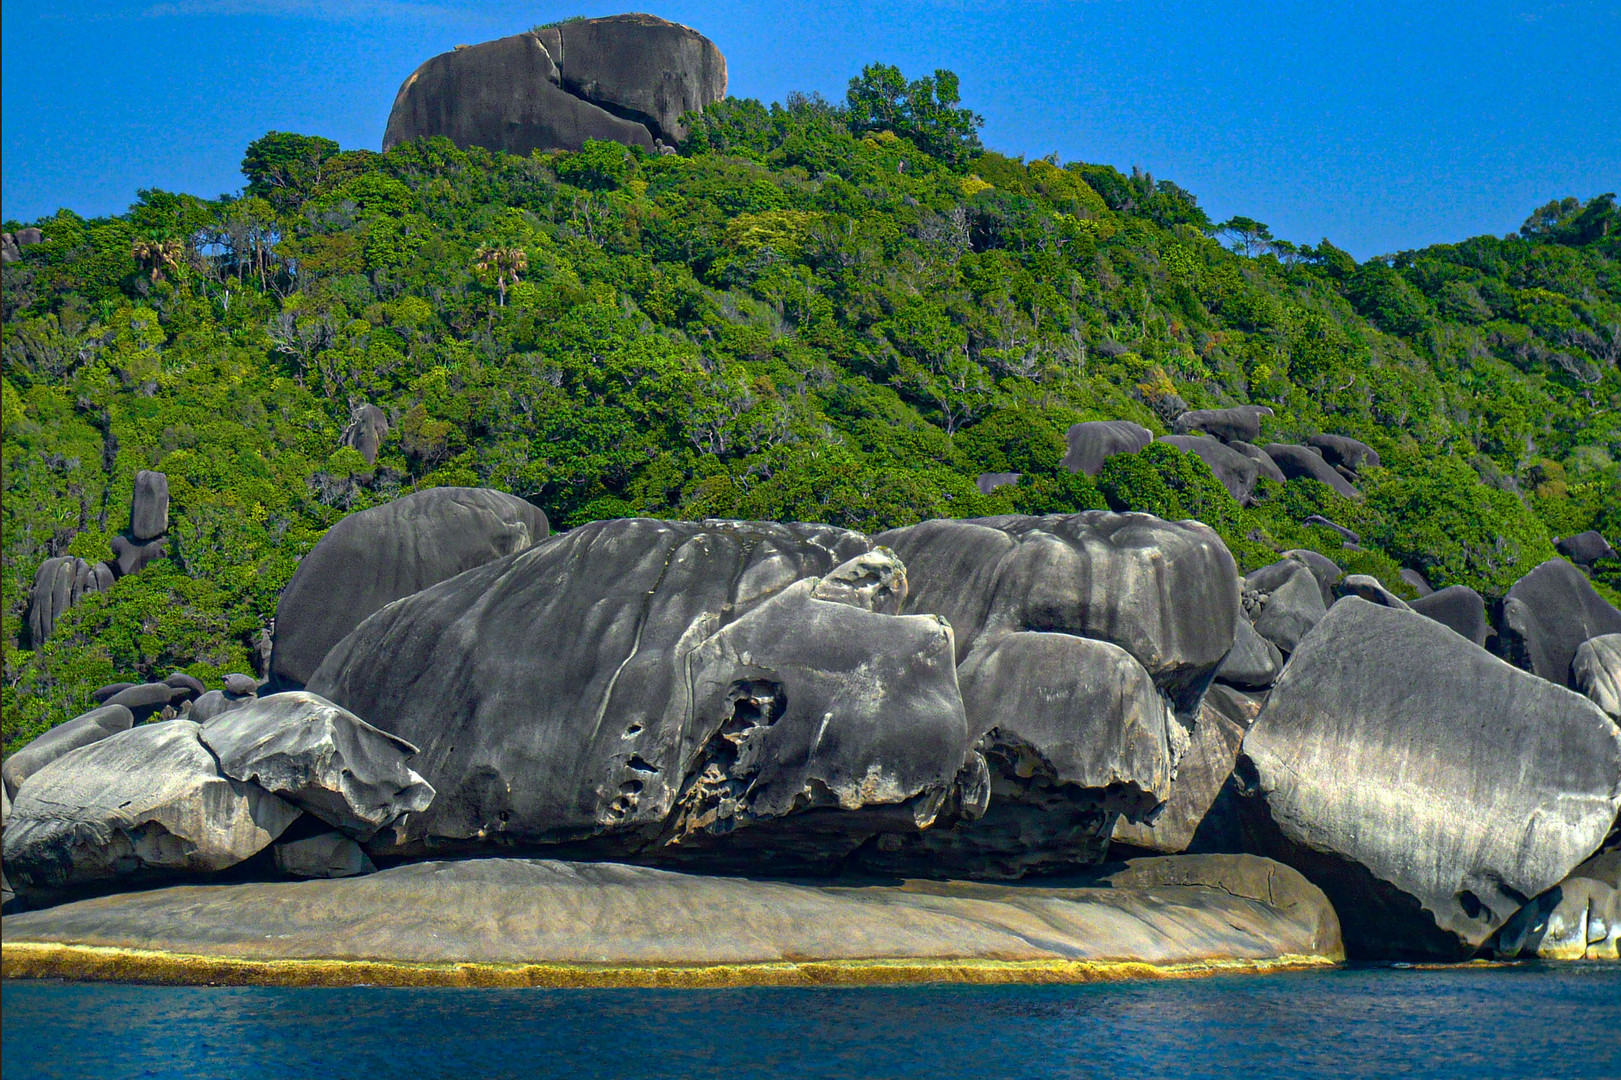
column 159, row 255
column 505, row 263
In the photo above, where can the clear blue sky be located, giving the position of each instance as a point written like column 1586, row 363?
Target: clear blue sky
column 1381, row 125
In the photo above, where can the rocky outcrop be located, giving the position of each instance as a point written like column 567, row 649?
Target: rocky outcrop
column 149, row 506
column 143, row 801
column 1578, row 919
column 368, row 427
column 1236, row 472
column 1427, row 787
column 1201, row 775
column 146, row 700
column 1369, row 588
column 320, row 758
column 626, row 78
column 989, row 482
column 1548, row 614
column 1585, row 549
column 1285, row 602
column 325, row 855
column 1242, row 423
column 63, row 739
column 1302, row 463
column 1325, row 570
column 1165, row 592
column 377, row 556
column 1096, row 441
column 1596, row 672
column 668, row 688
column 11, row 245
column 1344, row 451
column 58, row 585
column 1416, row 580
column 1254, row 662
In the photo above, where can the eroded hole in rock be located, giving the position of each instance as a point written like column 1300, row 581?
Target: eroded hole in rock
column 718, row 793
column 637, row 763
column 631, row 787
column 634, row 729
column 1472, row 906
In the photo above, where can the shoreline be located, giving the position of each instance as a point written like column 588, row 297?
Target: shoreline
column 96, row 963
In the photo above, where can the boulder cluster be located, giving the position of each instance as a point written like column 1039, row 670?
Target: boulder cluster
column 625, row 78
column 11, row 245
column 984, row 699
column 64, row 580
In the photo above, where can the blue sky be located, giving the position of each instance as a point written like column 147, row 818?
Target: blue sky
column 1380, row 125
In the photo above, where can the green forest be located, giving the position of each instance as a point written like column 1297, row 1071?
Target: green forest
column 818, row 311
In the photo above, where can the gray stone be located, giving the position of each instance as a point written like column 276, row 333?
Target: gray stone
column 1344, row 452
column 321, row 758
column 130, row 557
column 1416, row 580
column 990, row 481
column 104, row 694
column 1322, row 522
column 669, row 689
column 240, row 685
column 1200, row 777
column 212, row 704
column 1578, row 919
column 1166, row 592
column 1370, row 589
column 1242, row 423
column 1092, row 443
column 59, row 584
column 181, row 681
column 1548, row 614
column 641, row 66
column 1596, row 672
column 1254, row 662
column 1586, row 548
column 143, row 801
column 1302, row 463
column 1427, row 787
column 1236, row 472
column 9, row 252
column 379, row 555
column 1326, row 570
column 326, row 855
column 1460, row 608
column 1289, row 601
column 83, row 730
column 146, row 699
column 368, row 427
column 149, row 506
column 29, row 236
column 1267, row 468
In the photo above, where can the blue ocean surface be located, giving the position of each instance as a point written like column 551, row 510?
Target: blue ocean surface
column 1518, row 1021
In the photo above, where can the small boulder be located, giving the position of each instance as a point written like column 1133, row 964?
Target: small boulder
column 1236, row 472
column 1096, row 441
column 1585, row 549
column 131, row 557
column 368, row 427
column 1344, row 452
column 83, row 730
column 149, row 507
column 1416, row 580
column 211, row 704
column 1267, row 468
column 1326, row 570
column 191, row 685
column 990, row 481
column 1460, row 608
column 1241, row 423
column 1303, row 463
column 326, row 855
column 1370, row 589
column 1254, row 662
column 1596, row 672
column 1578, row 919
column 1287, row 602
column 240, row 685
column 104, row 694
column 1320, row 521
column 143, row 801
column 1547, row 615
column 1201, row 775
column 321, row 758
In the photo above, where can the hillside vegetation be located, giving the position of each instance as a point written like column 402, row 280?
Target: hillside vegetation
column 838, row 313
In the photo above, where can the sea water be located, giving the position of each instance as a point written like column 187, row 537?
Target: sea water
column 1532, row 1020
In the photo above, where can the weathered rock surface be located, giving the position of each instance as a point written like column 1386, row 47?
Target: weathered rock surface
column 239, row 685
column 627, row 78
column 1427, row 787
column 1236, row 472
column 1460, row 608
column 325, row 855
column 1369, row 588
column 990, row 481
column 1586, row 548
column 1200, row 777
column 1240, row 423
column 103, row 694
column 1267, row 468
column 1578, row 919
column 179, row 680
column 1344, row 451
column 59, row 583
column 1596, row 672
column 131, row 557
column 1416, row 580
column 1096, row 441
column 145, row 800
column 1166, row 592
column 1548, row 614
column 511, row 911
column 1326, row 570
column 379, row 555
column 212, row 704
column 83, row 730
column 149, row 507
column 145, row 699
column 1254, row 662
column 321, row 758
column 1071, row 734
column 655, row 686
column 1287, row 602
column 1299, row 462
column 368, row 427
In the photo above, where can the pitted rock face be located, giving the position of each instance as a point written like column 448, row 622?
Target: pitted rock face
column 1164, row 591
column 1429, row 788
column 375, row 557
column 653, row 687
column 626, row 78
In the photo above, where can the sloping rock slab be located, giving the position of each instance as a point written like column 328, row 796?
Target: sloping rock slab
column 93, row 726
column 1596, row 672
column 1427, row 787
column 610, row 924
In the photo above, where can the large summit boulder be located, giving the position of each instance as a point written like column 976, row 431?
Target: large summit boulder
column 626, row 78
column 1164, row 591
column 1427, row 787
column 377, row 556
column 653, row 687
column 1548, row 614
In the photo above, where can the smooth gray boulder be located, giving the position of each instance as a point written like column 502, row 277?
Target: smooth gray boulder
column 1326, row 570
column 1344, row 452
column 1370, row 589
column 1427, row 787
column 323, row 759
column 93, row 726
column 131, row 557
column 1201, row 775
column 1092, row 443
column 626, row 78
column 1585, row 548
column 240, row 685
column 1241, row 423
column 671, row 689
column 1596, row 672
column 146, row 699
column 179, row 680
column 1254, row 662
column 1578, row 919
column 368, row 427
column 325, row 855
column 1547, row 615
column 379, row 555
column 1285, row 602
column 1416, row 580
column 1236, row 472
column 144, row 801
column 149, row 506
column 1302, row 463
column 1267, row 468
column 103, row 694
column 990, row 481
column 59, row 584
column 1166, row 592
column 1071, row 734
column 1460, row 608
column 213, row 703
